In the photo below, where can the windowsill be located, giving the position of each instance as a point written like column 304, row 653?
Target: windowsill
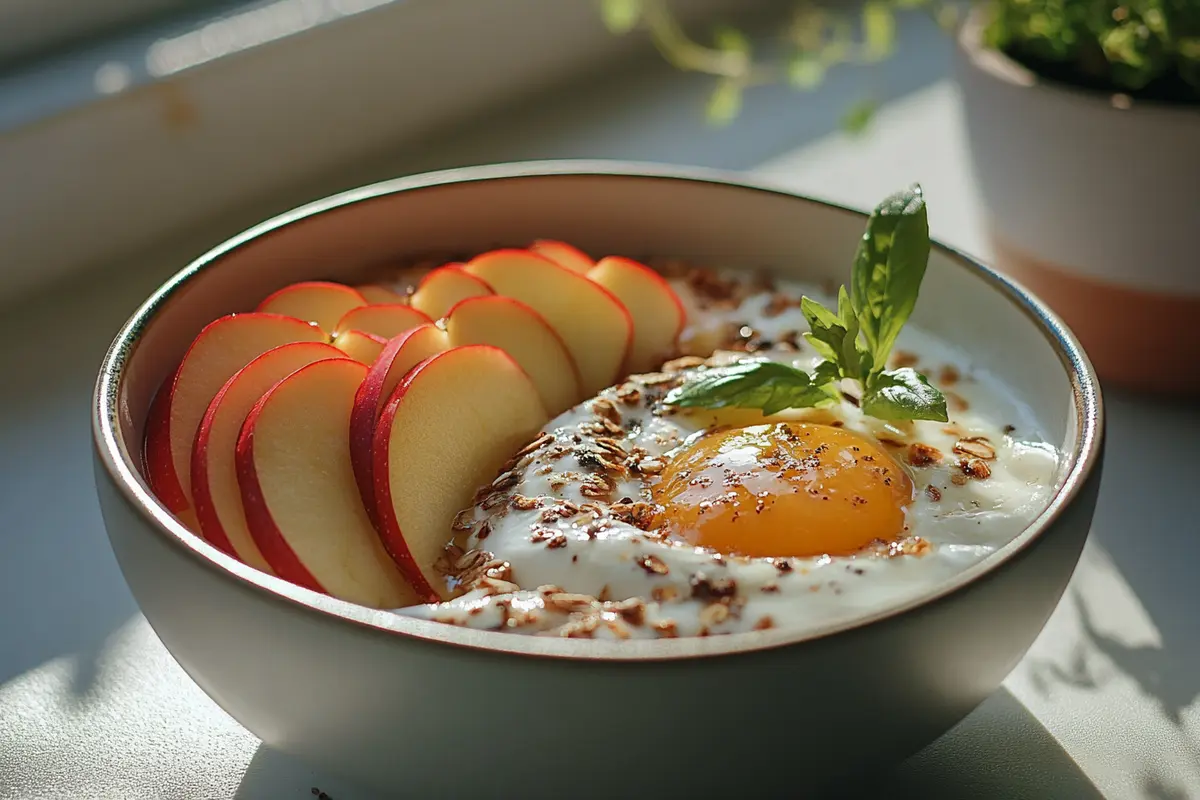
column 106, row 150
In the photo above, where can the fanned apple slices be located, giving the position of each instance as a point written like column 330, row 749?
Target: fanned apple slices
column 449, row 426
column 593, row 324
column 490, row 320
column 214, row 475
column 221, row 349
column 330, row 436
column 657, row 313
column 297, row 486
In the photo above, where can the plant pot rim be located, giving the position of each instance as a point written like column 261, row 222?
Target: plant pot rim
column 1001, row 67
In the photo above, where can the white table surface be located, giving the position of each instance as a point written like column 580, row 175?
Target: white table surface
column 91, row 704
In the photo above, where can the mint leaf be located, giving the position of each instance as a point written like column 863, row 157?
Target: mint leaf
column 826, row 372
column 888, row 269
column 766, row 385
column 831, row 334
column 903, row 394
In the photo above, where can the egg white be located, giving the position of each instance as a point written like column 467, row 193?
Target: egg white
column 604, row 559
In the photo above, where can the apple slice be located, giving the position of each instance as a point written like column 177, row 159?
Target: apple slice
column 446, row 287
column 214, row 473
column 380, row 295
column 398, row 356
column 450, row 425
column 564, row 255
column 222, row 348
column 522, row 333
column 363, row 347
column 658, row 315
column 593, row 324
column 321, row 302
column 383, row 320
column 297, row 486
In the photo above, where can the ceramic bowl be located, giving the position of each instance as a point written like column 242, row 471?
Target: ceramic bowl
column 1107, row 239
column 427, row 709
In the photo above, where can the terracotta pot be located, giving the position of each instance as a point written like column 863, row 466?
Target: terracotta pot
column 1092, row 202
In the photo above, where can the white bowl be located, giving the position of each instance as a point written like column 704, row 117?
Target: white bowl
column 424, row 708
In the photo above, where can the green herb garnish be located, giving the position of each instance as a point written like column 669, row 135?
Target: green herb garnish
column 855, row 340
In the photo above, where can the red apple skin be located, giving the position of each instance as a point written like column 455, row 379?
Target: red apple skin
column 159, row 469
column 206, row 513
column 651, row 275
column 366, row 319
column 390, row 533
column 351, row 299
column 519, row 254
column 267, row 535
column 482, row 287
column 368, row 403
column 161, row 472
column 496, row 299
column 563, row 254
column 395, row 545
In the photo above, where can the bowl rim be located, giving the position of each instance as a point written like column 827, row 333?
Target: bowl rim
column 120, row 465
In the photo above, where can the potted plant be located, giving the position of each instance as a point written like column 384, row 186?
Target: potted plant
column 1083, row 118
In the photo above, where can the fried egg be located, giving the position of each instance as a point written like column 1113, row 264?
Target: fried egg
column 631, row 518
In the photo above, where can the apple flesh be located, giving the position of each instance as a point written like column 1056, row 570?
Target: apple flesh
column 214, row 473
column 450, row 425
column 658, row 314
column 446, row 287
column 564, row 255
column 522, row 333
column 375, row 294
column 398, row 356
column 222, row 348
column 298, row 490
column 382, row 320
column 593, row 324
column 361, row 346
column 320, row 302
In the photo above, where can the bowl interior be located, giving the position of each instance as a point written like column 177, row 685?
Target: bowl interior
column 709, row 219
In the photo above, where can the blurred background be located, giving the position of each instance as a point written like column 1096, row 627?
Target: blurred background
column 136, row 134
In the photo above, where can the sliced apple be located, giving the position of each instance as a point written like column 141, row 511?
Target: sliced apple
column 214, row 473
column 380, row 295
column 446, row 287
column 658, row 315
column 382, row 320
column 222, row 348
column 522, row 333
column 297, row 486
column 594, row 325
column 449, row 426
column 398, row 356
column 564, row 255
column 321, row 302
column 363, row 347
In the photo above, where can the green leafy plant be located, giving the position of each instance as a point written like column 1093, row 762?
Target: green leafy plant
column 1146, row 48
column 855, row 339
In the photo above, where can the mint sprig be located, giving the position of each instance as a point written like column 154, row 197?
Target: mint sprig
column 855, row 340
column 767, row 385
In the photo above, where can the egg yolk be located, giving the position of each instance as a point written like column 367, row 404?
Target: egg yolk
column 786, row 489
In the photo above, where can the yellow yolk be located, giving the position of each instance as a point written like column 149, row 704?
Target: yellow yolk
column 787, row 489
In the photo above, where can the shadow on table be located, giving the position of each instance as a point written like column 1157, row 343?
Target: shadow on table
column 1000, row 752
column 56, row 565
column 1155, row 555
